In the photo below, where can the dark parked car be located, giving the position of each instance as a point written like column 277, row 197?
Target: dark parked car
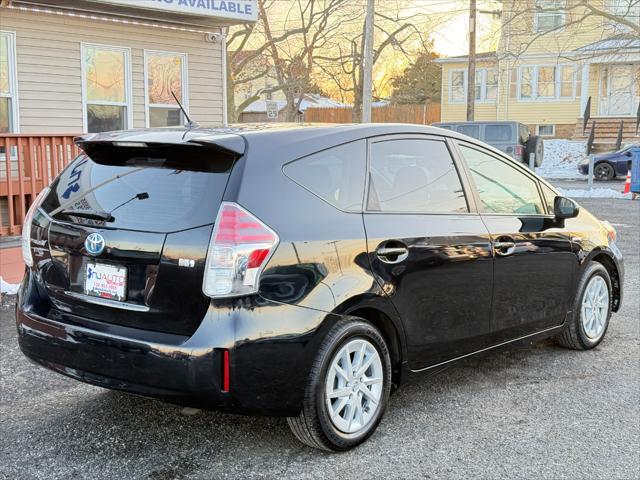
column 607, row 166
column 512, row 138
column 305, row 272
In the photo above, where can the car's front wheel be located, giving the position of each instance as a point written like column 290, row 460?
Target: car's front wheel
column 589, row 320
column 348, row 388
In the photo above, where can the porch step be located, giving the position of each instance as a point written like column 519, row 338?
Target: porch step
column 606, row 130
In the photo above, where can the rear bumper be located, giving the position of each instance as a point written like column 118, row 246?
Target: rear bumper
column 268, row 369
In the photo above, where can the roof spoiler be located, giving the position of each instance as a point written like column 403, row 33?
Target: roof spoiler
column 228, row 143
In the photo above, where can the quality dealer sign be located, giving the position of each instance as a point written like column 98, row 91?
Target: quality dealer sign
column 246, row 10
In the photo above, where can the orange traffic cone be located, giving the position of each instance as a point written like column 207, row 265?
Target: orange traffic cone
column 627, row 183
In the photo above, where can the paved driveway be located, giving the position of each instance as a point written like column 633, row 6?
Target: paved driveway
column 530, row 412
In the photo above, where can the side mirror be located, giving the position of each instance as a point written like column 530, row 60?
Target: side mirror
column 564, row 207
column 628, row 153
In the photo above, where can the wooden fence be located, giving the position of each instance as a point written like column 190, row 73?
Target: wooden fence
column 422, row 114
column 34, row 161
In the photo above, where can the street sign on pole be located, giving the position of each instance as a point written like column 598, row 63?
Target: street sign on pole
column 272, row 110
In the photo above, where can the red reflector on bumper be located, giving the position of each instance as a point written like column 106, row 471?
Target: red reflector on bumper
column 225, row 370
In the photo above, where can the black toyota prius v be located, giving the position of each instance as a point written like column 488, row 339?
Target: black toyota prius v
column 302, row 271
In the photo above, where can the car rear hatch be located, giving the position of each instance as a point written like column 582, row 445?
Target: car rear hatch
column 127, row 226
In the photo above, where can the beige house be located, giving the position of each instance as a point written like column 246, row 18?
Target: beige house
column 73, row 66
column 553, row 56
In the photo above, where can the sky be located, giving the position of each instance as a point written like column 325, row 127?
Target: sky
column 452, row 37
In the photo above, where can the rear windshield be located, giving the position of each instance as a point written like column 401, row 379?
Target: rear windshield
column 151, row 193
column 497, row 133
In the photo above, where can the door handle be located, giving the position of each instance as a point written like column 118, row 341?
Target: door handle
column 504, row 246
column 392, row 254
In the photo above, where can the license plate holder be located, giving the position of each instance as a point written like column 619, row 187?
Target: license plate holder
column 106, row 281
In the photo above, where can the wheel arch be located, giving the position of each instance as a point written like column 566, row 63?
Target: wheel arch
column 389, row 331
column 381, row 314
column 606, row 260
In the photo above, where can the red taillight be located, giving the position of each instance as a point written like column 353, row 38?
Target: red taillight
column 239, row 249
column 519, row 150
column 225, row 370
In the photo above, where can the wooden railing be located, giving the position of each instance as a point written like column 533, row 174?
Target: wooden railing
column 28, row 163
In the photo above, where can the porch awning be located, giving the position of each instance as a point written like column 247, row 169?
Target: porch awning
column 623, row 47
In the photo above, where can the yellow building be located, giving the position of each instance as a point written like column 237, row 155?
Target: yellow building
column 553, row 56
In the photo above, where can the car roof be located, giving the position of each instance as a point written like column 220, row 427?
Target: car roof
column 484, row 122
column 237, row 138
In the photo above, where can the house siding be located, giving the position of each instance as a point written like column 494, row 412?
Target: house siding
column 49, row 75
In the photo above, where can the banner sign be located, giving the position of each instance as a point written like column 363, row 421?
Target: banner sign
column 244, row 10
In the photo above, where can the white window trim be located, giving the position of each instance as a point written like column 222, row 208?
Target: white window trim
column 553, row 127
column 13, row 80
column 481, row 73
column 185, row 83
column 127, row 83
column 558, row 83
column 548, row 13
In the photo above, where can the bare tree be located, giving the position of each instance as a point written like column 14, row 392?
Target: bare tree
column 283, row 53
column 399, row 26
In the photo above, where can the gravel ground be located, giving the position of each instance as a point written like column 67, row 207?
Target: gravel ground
column 525, row 412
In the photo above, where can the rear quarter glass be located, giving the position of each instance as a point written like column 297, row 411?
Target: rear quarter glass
column 336, row 174
column 184, row 186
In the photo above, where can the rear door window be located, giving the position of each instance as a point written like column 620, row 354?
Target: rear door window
column 336, row 174
column 497, row 133
column 502, row 188
column 414, row 176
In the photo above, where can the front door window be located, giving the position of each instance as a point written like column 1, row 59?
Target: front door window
column 619, row 90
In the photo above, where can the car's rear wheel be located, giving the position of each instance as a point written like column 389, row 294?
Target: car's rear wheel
column 603, row 171
column 589, row 320
column 348, row 388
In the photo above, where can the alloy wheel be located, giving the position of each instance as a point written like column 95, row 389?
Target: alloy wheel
column 354, row 386
column 595, row 307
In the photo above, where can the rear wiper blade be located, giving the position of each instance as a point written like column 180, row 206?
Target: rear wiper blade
column 90, row 214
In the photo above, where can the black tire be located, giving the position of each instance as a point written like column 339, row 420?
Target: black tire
column 313, row 426
column 603, row 172
column 535, row 144
column 574, row 335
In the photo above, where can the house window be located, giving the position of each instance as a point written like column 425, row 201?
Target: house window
column 546, row 130
column 491, row 85
column 165, row 77
column 106, row 86
column 546, row 82
column 526, row 82
column 8, row 84
column 458, row 91
column 549, row 15
column 567, row 80
column 486, row 88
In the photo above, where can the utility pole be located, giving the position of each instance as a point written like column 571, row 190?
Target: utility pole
column 471, row 73
column 367, row 62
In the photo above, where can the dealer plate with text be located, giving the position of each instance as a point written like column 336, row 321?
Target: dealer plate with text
column 106, row 281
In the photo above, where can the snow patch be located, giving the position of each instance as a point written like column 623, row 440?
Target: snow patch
column 8, row 288
column 594, row 193
column 561, row 159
